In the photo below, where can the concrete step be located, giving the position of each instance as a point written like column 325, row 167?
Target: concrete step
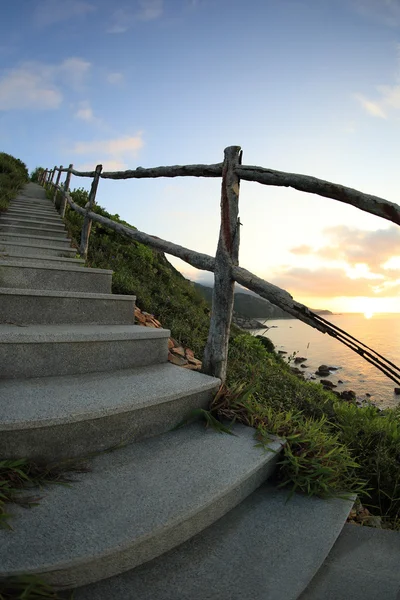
column 21, row 210
column 28, row 217
column 32, row 190
column 26, row 249
column 18, row 230
column 41, row 260
column 51, row 350
column 267, row 548
column 40, row 276
column 362, row 565
column 37, row 214
column 48, row 307
column 137, row 503
column 33, row 230
column 53, row 418
column 37, row 224
column 32, row 203
column 38, row 240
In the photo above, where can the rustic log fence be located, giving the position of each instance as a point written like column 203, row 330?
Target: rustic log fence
column 225, row 265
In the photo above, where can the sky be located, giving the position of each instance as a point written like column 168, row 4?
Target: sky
column 306, row 86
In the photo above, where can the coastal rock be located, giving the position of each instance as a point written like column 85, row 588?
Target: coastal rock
column 327, row 383
column 348, row 395
column 247, row 323
column 303, row 366
column 300, row 359
column 322, row 372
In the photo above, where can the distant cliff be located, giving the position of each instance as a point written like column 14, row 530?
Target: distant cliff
column 252, row 307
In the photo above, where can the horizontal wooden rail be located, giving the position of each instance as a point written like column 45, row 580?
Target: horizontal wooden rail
column 305, row 183
column 372, row 204
column 151, row 173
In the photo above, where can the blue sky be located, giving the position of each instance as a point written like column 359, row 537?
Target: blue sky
column 309, row 86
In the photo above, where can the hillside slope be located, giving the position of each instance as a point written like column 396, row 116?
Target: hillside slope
column 251, row 306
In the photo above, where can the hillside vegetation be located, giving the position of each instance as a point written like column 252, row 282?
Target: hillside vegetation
column 13, row 174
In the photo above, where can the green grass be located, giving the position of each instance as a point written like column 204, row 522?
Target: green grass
column 27, row 587
column 13, row 175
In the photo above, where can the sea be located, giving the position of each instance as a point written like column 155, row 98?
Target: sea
column 381, row 332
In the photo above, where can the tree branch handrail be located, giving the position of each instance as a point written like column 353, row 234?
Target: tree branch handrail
column 225, row 265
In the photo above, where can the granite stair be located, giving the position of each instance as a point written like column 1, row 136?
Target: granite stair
column 165, row 512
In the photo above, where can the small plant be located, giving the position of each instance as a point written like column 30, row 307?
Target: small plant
column 27, row 587
column 313, row 459
column 19, row 475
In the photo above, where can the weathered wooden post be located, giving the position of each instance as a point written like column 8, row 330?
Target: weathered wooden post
column 216, row 350
column 52, row 173
column 57, row 183
column 87, row 222
column 45, row 178
column 63, row 202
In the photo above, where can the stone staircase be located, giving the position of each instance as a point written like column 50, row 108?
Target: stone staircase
column 168, row 514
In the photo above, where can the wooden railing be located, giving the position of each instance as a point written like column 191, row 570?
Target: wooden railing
column 225, row 265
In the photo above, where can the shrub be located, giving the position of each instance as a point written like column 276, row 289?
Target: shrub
column 13, row 174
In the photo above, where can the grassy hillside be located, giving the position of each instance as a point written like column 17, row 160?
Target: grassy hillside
column 13, row 174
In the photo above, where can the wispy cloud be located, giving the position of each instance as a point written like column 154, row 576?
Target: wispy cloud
column 22, row 89
column 84, row 112
column 373, row 108
column 116, row 154
column 146, row 10
column 353, row 262
column 36, row 85
column 48, row 12
column 115, row 78
column 150, row 9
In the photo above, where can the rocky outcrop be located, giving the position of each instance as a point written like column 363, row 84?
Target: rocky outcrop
column 177, row 354
column 247, row 323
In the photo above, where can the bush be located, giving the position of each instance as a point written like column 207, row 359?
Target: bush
column 36, row 174
column 13, row 174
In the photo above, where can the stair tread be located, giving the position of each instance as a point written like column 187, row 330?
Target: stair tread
column 47, row 401
column 31, row 245
column 65, row 294
column 11, row 334
column 22, row 228
column 129, row 499
column 11, row 259
column 362, row 565
column 264, row 549
column 24, row 236
column 58, row 223
column 21, row 262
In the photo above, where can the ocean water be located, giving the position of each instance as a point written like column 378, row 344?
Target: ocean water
column 380, row 332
